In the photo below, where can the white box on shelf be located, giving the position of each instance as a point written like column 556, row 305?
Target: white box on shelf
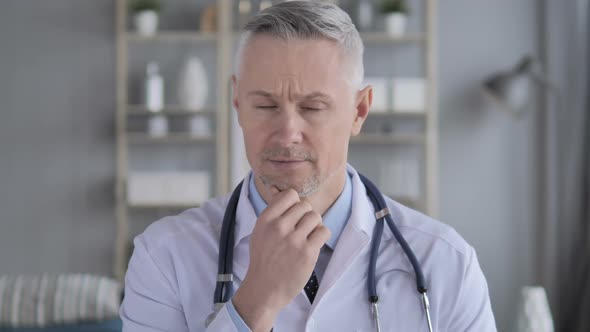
column 168, row 188
column 199, row 126
column 408, row 94
column 380, row 93
column 158, row 126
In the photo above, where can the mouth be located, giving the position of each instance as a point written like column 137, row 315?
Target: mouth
column 281, row 160
column 286, row 163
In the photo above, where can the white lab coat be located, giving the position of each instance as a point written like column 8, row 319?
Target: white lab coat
column 171, row 275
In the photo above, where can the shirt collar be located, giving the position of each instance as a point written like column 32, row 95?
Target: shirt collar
column 334, row 219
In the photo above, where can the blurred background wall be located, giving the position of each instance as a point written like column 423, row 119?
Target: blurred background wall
column 488, row 161
column 57, row 157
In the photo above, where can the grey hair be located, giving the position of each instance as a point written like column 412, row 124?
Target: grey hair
column 307, row 20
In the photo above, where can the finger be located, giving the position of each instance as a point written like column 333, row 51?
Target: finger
column 295, row 213
column 280, row 194
column 319, row 236
column 308, row 223
column 280, row 203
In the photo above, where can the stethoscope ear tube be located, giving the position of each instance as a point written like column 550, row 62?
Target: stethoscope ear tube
column 226, row 252
column 377, row 234
column 379, row 203
column 420, row 281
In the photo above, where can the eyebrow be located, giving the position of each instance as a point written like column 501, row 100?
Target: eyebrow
column 315, row 94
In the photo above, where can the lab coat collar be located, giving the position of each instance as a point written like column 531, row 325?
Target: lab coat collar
column 245, row 221
column 362, row 213
column 245, row 214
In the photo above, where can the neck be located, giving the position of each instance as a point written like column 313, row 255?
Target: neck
column 321, row 200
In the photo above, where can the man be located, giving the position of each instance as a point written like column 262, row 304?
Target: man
column 302, row 210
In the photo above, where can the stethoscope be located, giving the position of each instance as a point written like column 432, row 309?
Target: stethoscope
column 226, row 253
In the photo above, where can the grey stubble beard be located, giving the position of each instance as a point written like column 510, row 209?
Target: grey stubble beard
column 310, row 185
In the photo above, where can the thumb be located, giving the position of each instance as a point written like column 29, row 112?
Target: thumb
column 274, row 190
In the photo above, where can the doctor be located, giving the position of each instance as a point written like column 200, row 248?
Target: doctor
column 304, row 223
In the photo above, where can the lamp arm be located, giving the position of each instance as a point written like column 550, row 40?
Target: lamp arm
column 543, row 80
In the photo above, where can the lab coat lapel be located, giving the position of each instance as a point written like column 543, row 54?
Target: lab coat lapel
column 245, row 222
column 354, row 238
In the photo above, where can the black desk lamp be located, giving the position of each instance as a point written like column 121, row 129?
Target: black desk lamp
column 513, row 89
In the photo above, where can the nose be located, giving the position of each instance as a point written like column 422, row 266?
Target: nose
column 289, row 127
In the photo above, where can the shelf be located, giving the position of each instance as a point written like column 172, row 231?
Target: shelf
column 401, row 113
column 408, row 201
column 140, row 138
column 162, row 206
column 138, row 110
column 169, row 110
column 173, row 36
column 382, row 37
column 387, row 139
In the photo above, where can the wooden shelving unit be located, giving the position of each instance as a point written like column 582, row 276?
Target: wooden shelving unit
column 125, row 141
column 398, row 114
column 223, row 41
column 387, row 139
column 174, row 37
column 140, row 138
column 380, row 37
column 169, row 110
column 163, row 206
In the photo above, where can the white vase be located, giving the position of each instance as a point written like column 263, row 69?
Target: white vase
column 154, row 88
column 395, row 24
column 146, row 22
column 534, row 314
column 365, row 15
column 193, row 85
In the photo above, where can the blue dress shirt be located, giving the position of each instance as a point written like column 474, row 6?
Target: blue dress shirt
column 334, row 219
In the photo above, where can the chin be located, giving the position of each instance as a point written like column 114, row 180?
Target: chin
column 303, row 185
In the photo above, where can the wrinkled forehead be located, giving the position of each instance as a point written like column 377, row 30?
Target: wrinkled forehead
column 311, row 63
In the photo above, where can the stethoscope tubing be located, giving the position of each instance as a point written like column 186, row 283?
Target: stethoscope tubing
column 379, row 204
column 225, row 259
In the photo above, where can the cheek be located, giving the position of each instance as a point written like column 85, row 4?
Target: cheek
column 253, row 140
column 331, row 141
column 334, row 129
column 253, row 144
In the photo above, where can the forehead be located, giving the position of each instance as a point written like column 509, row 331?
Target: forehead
column 313, row 63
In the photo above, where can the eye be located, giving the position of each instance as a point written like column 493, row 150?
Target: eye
column 312, row 106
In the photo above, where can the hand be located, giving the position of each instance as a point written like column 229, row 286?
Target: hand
column 284, row 248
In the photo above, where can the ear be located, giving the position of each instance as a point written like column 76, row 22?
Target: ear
column 363, row 103
column 234, row 100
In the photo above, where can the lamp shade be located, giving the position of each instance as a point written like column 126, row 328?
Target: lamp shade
column 512, row 89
